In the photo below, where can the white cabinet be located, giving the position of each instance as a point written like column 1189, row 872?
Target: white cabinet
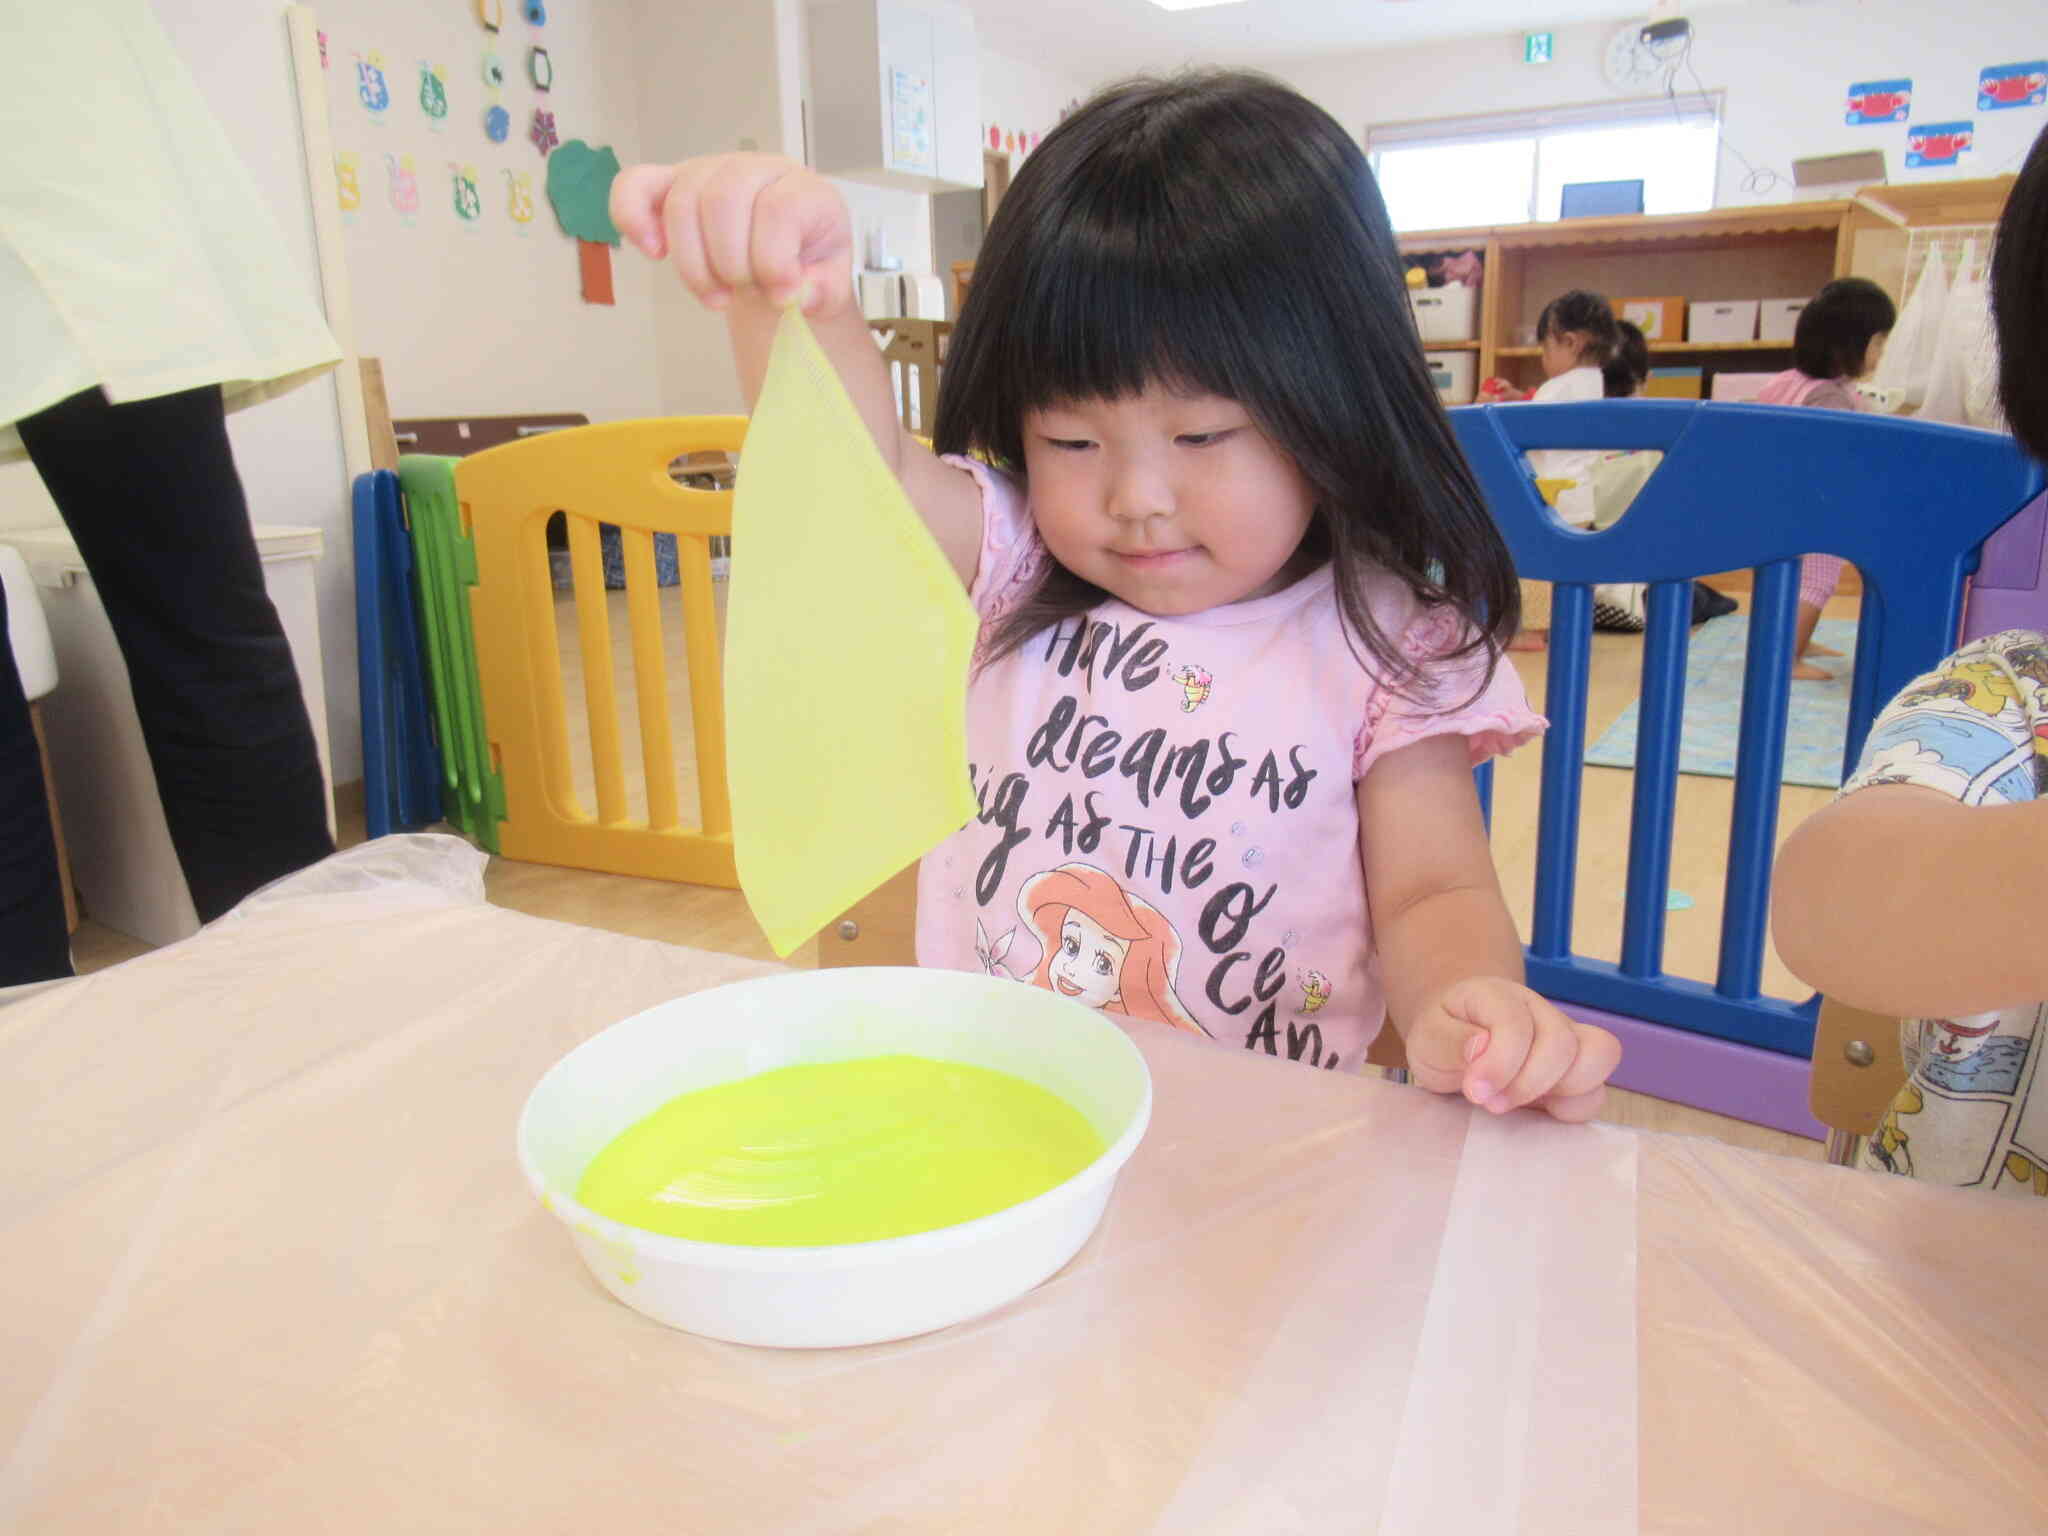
column 895, row 93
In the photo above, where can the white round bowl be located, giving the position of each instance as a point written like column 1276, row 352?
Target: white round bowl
column 850, row 1293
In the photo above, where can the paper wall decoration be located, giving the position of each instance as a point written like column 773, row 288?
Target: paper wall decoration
column 494, row 70
column 404, row 185
column 536, row 13
column 1929, row 144
column 540, row 69
column 469, row 203
column 519, row 198
column 580, row 189
column 2001, row 87
column 348, row 180
column 497, row 124
column 372, row 89
column 594, row 264
column 433, row 95
column 1878, row 101
column 491, row 13
column 543, row 130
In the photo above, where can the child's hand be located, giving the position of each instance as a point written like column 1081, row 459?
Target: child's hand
column 733, row 222
column 1502, row 1046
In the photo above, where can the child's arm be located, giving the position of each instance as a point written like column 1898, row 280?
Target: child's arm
column 751, row 234
column 1449, row 957
column 1903, row 901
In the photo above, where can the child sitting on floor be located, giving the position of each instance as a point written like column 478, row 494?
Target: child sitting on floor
column 1839, row 338
column 1577, row 335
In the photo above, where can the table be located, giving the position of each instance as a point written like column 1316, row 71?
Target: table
column 267, row 1263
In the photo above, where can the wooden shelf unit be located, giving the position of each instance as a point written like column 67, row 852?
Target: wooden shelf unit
column 1761, row 251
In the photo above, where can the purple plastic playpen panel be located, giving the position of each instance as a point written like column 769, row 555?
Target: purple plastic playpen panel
column 2010, row 589
column 1762, row 1087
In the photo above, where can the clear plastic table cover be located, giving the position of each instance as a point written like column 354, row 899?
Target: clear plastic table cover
column 267, row 1263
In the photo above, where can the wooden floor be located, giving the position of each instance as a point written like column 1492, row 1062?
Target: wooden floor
column 719, row 920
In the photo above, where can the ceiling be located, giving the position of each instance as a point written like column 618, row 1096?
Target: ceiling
column 1096, row 40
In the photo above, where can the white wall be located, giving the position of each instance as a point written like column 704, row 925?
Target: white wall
column 709, row 77
column 1019, row 97
column 1785, row 70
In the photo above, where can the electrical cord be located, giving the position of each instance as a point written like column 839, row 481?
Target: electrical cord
column 1756, row 179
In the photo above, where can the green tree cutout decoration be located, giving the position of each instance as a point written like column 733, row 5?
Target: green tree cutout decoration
column 580, row 189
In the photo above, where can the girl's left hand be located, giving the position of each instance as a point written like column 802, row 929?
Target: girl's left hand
column 1502, row 1047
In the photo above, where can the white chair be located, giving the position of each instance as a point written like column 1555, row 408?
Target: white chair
column 36, row 659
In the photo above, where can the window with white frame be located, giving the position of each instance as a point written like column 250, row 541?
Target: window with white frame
column 1512, row 168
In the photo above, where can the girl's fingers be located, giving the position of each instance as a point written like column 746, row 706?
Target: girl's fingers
column 636, row 205
column 1596, row 1054
column 790, row 241
column 1551, row 1049
column 683, row 218
column 1439, row 1046
column 1575, row 1108
column 1504, row 1015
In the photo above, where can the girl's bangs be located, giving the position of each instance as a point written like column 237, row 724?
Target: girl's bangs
column 1094, row 324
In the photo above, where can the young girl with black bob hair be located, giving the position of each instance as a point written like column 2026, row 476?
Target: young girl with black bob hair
column 1241, row 601
column 1839, row 338
column 1836, row 330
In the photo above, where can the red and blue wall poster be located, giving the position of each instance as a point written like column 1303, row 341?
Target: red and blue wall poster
column 1879, row 101
column 1929, row 144
column 2012, row 85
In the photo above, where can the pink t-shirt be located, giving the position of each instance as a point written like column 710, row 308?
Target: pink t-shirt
column 1795, row 388
column 1169, row 825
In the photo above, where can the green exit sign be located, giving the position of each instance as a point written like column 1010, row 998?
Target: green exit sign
column 1536, row 47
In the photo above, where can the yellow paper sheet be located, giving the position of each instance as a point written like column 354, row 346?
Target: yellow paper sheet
column 848, row 638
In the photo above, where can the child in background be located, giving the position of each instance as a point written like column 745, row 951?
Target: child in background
column 1186, row 430
column 1919, row 892
column 1578, row 335
column 1839, row 338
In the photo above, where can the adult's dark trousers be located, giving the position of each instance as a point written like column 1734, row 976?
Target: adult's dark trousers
column 150, row 494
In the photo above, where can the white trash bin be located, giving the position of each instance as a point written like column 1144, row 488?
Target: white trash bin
column 121, row 856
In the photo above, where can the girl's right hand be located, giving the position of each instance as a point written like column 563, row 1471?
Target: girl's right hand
column 729, row 223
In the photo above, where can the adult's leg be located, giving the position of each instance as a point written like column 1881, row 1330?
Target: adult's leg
column 33, row 943
column 150, row 493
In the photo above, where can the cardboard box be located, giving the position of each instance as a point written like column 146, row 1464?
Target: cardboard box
column 1455, row 374
column 1674, row 384
column 1659, row 319
column 1721, row 320
column 1778, row 319
column 1448, row 313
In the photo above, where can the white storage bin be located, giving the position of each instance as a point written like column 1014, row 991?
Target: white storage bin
column 1455, row 375
column 1721, row 320
column 1778, row 319
column 122, row 860
column 1445, row 314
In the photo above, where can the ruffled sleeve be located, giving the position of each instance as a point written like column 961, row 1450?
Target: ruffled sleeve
column 1011, row 553
column 1449, row 700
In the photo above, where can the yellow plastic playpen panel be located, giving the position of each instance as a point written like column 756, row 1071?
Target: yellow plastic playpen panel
column 616, row 473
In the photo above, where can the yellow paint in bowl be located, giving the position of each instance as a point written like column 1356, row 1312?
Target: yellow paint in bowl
column 839, row 1152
